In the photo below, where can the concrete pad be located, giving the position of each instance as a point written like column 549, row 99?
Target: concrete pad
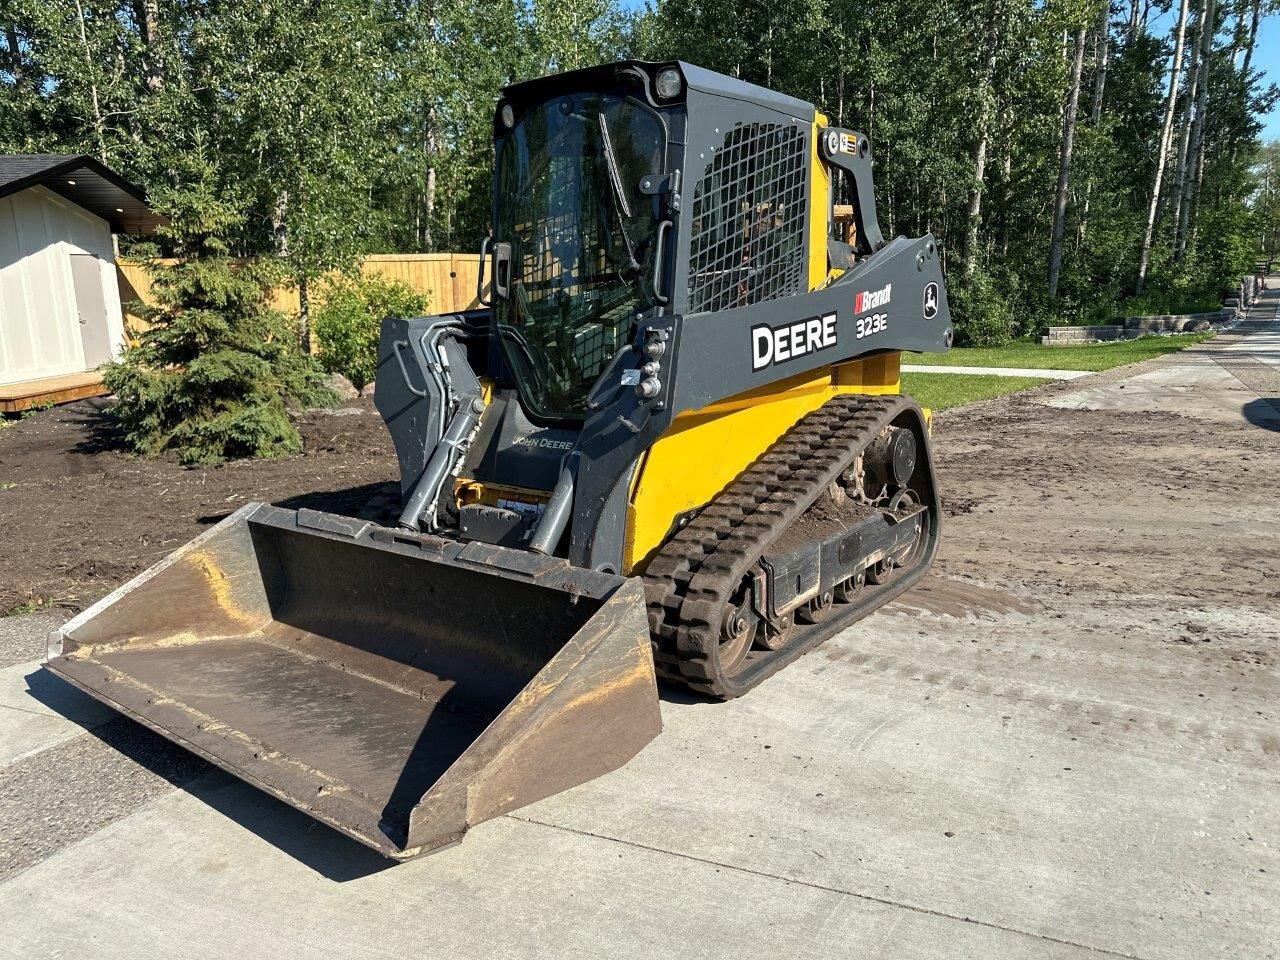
column 997, row 371
column 24, row 638
column 1072, row 790
column 67, row 792
column 184, row 877
column 1201, row 389
column 1264, row 346
column 988, row 781
column 39, row 711
column 1228, row 380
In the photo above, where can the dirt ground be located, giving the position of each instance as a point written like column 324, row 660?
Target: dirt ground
column 82, row 516
column 79, row 516
column 1201, row 480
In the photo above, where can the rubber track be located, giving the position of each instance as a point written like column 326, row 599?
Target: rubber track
column 693, row 576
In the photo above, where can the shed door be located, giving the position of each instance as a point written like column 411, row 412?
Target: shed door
column 39, row 335
column 91, row 308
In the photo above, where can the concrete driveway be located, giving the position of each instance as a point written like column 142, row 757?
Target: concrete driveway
column 1063, row 744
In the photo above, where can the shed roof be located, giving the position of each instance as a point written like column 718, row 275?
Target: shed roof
column 84, row 181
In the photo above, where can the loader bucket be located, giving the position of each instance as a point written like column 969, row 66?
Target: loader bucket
column 398, row 687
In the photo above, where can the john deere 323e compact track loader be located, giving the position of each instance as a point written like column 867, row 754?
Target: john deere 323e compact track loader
column 671, row 443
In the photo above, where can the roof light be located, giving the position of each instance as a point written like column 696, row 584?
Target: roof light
column 119, row 209
column 508, row 116
column 668, row 84
column 71, row 183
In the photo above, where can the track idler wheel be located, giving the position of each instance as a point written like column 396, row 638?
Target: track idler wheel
column 739, row 629
column 818, row 609
column 890, row 460
column 846, row 591
column 776, row 637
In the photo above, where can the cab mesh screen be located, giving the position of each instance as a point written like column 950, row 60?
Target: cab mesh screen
column 748, row 219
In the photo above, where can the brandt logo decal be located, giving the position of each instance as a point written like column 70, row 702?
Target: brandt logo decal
column 870, row 299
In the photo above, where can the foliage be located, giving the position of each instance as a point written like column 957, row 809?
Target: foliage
column 988, row 321
column 348, row 319
column 211, row 377
column 335, row 128
column 1266, row 199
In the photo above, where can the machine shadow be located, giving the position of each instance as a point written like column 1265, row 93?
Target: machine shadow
column 450, row 729
column 333, row 855
column 347, row 502
column 329, row 853
column 1263, row 412
column 674, row 693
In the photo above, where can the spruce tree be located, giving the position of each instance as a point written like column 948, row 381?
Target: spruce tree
column 215, row 372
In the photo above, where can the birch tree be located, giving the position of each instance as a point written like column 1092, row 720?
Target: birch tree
column 985, row 110
column 1193, row 168
column 1064, row 163
column 1162, row 150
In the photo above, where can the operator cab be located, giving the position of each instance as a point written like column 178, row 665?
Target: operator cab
column 579, row 227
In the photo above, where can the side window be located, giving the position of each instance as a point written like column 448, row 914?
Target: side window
column 747, row 242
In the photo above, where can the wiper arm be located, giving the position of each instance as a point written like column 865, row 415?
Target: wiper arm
column 611, row 161
column 619, row 194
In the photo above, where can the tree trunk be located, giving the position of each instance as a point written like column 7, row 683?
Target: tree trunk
column 147, row 14
column 1006, row 201
column 980, row 145
column 280, row 225
column 1194, row 156
column 15, row 54
column 1166, row 134
column 841, row 190
column 1104, row 59
column 99, row 126
column 1253, row 39
column 304, row 315
column 1193, row 211
column 1064, row 166
column 1103, row 56
column 428, row 238
column 1184, row 138
column 280, row 234
column 768, row 56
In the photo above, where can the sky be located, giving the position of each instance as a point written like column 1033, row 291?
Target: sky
column 1267, row 56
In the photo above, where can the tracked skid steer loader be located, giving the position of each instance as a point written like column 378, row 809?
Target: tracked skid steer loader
column 670, row 444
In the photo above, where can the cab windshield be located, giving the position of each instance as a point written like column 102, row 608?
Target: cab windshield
column 582, row 241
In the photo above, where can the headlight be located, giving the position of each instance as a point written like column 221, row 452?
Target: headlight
column 668, row 84
column 507, row 115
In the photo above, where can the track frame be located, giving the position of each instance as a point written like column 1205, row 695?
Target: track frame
column 690, row 582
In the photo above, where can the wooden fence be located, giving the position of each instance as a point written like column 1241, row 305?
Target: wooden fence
column 448, row 280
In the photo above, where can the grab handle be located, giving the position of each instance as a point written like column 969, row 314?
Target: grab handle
column 396, row 347
column 484, row 255
column 658, row 251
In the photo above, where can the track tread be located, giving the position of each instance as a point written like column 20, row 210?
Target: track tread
column 693, row 576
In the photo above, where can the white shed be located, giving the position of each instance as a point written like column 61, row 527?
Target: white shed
column 60, row 316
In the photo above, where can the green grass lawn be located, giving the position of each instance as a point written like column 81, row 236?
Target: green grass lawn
column 940, row 391
column 1096, row 356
